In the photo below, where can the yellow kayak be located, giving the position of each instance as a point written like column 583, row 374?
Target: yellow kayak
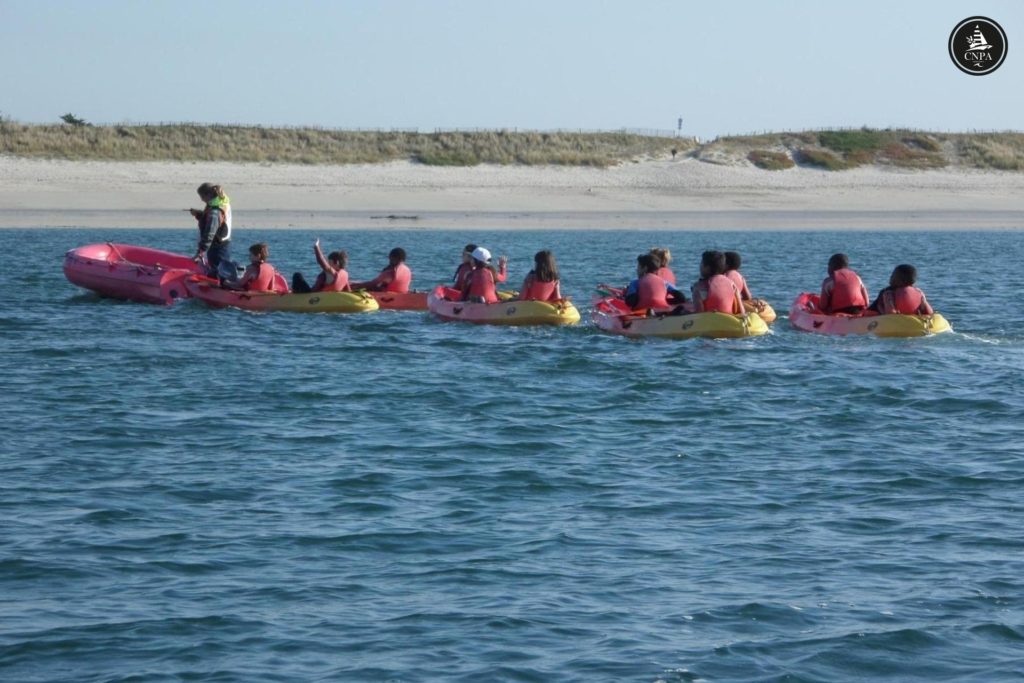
column 611, row 316
column 506, row 312
column 804, row 315
column 213, row 294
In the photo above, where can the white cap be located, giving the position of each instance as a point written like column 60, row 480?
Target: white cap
column 481, row 254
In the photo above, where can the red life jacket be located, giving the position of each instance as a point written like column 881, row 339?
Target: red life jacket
column 264, row 280
column 847, row 290
column 738, row 280
column 462, row 274
column 536, row 290
column 340, row 283
column 721, row 295
column 401, row 280
column 666, row 274
column 481, row 286
column 651, row 292
column 905, row 300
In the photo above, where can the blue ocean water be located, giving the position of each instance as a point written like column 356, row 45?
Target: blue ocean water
column 213, row 495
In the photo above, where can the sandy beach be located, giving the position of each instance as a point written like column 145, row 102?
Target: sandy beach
column 681, row 194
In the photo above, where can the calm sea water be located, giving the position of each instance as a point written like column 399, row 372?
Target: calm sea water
column 190, row 494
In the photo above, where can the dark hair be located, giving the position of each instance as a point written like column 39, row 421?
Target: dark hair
column 732, row 260
column 339, row 257
column 714, row 261
column 206, row 191
column 837, row 262
column 260, row 250
column 903, row 275
column 470, row 248
column 545, row 268
column 397, row 254
column 648, row 263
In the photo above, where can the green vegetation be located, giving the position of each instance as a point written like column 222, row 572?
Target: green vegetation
column 847, row 141
column 73, row 120
column 770, row 161
column 833, row 150
column 820, row 158
column 182, row 142
column 1003, row 151
column 837, row 150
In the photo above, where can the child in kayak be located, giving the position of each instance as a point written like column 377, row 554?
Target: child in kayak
column 332, row 278
column 650, row 290
column 901, row 296
column 732, row 271
column 664, row 257
column 395, row 277
column 480, row 285
column 842, row 291
column 464, row 269
column 541, row 283
column 714, row 292
column 259, row 276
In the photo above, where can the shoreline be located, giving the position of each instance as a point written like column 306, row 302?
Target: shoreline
column 725, row 221
column 657, row 195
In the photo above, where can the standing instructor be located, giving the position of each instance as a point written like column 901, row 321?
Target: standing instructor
column 214, row 226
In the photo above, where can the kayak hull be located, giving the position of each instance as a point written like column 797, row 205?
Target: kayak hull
column 762, row 308
column 401, row 301
column 130, row 273
column 212, row 294
column 803, row 315
column 612, row 317
column 503, row 313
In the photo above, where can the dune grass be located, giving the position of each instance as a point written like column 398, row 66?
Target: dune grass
column 180, row 142
column 833, row 150
column 770, row 161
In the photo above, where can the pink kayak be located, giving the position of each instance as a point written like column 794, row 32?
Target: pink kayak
column 123, row 271
column 401, row 301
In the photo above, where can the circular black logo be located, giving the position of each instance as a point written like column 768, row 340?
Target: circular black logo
column 977, row 46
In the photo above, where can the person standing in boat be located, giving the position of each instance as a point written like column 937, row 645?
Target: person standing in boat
column 214, row 226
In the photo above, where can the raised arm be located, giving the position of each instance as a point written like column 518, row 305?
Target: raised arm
column 325, row 265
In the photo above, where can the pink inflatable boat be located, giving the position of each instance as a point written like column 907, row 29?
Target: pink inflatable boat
column 123, row 271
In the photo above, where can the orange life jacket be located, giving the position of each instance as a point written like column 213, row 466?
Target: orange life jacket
column 721, row 295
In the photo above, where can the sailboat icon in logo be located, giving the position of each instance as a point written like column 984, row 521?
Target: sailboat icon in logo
column 976, row 41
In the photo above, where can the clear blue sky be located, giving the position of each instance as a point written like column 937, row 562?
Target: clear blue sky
column 725, row 67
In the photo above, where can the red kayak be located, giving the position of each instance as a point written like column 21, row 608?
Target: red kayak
column 401, row 301
column 123, row 271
